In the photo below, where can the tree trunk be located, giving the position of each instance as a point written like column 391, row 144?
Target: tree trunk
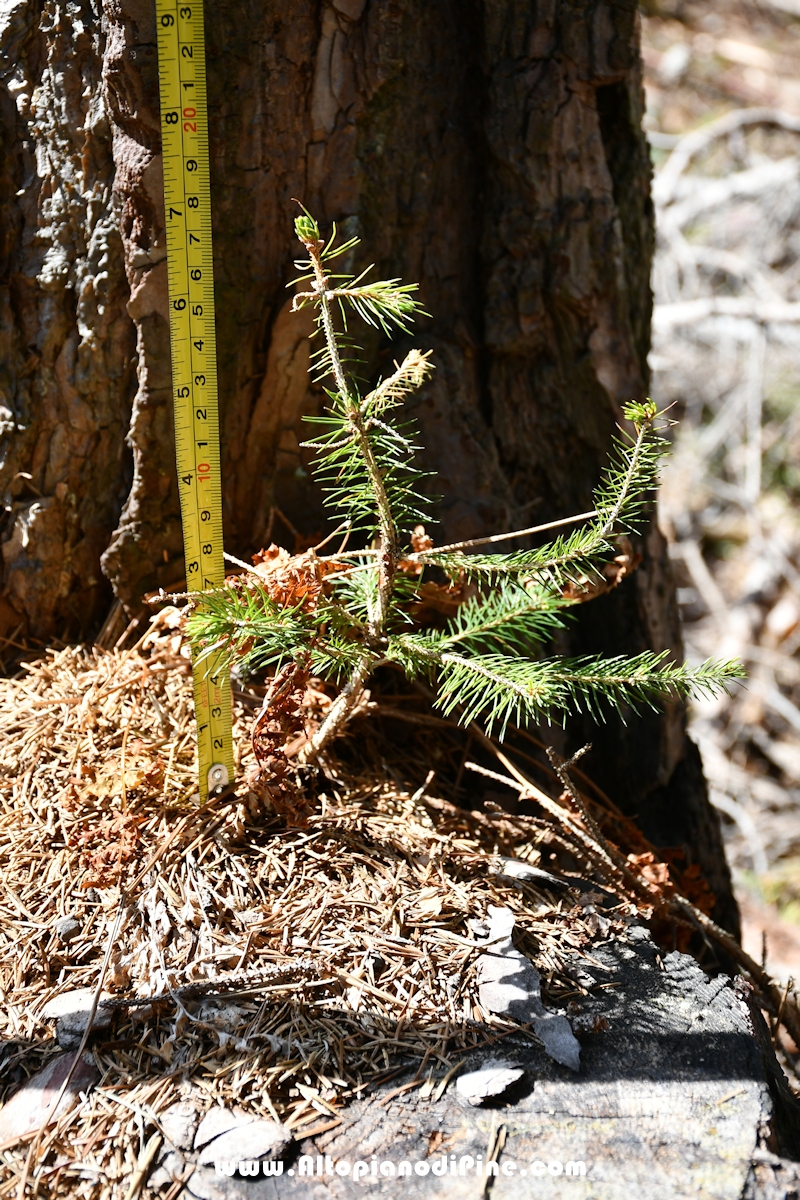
column 490, row 150
column 68, row 346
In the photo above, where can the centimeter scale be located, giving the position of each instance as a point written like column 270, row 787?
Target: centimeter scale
column 187, row 202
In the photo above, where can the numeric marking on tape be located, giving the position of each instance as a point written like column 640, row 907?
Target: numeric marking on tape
column 187, row 205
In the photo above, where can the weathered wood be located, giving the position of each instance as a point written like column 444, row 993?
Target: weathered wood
column 679, row 1097
column 490, row 149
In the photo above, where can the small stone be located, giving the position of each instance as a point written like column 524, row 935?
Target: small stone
column 509, row 984
column 160, row 1178
column 169, row 1167
column 555, row 1033
column 205, row 1184
column 254, row 1139
column 492, row 1080
column 179, row 1122
column 71, row 1010
column 217, row 1121
column 77, row 1002
column 67, row 929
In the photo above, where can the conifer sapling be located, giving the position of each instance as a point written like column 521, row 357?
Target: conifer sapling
column 340, row 616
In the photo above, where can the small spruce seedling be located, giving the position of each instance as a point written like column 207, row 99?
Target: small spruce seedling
column 356, row 609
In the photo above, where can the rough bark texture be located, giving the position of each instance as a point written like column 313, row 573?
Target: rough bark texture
column 66, row 341
column 490, row 149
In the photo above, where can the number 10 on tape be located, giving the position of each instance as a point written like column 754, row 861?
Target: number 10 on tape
column 187, row 202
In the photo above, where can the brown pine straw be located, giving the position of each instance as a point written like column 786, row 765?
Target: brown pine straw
column 375, row 897
column 112, row 936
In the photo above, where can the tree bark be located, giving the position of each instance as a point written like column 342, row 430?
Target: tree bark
column 489, row 149
column 67, row 345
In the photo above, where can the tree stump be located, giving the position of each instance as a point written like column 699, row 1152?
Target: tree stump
column 679, row 1096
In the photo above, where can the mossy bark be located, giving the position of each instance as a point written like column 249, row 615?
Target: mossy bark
column 489, row 149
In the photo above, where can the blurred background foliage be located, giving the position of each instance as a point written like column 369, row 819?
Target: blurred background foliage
column 723, row 119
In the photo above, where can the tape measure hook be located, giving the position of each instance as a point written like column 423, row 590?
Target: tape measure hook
column 217, row 778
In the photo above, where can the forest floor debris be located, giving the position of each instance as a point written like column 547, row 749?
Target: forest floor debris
column 99, row 774
column 270, row 970
column 295, row 966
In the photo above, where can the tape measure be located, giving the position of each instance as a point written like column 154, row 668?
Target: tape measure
column 187, row 202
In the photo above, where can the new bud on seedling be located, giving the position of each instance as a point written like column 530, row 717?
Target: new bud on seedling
column 641, row 413
column 306, row 229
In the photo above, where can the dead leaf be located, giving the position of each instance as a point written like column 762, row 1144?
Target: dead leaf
column 27, row 1109
column 427, row 902
column 292, row 581
column 609, row 576
column 654, row 873
column 420, row 540
column 106, row 846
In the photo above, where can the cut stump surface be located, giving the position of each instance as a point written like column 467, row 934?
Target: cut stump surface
column 679, row 1096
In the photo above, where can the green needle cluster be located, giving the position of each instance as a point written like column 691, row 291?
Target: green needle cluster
column 487, row 663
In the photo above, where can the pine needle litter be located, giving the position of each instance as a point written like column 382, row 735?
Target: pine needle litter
column 293, row 966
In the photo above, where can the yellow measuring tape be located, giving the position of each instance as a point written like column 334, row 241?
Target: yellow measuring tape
column 187, row 197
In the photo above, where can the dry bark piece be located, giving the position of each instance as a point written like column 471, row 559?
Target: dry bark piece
column 508, row 983
column 27, row 1109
